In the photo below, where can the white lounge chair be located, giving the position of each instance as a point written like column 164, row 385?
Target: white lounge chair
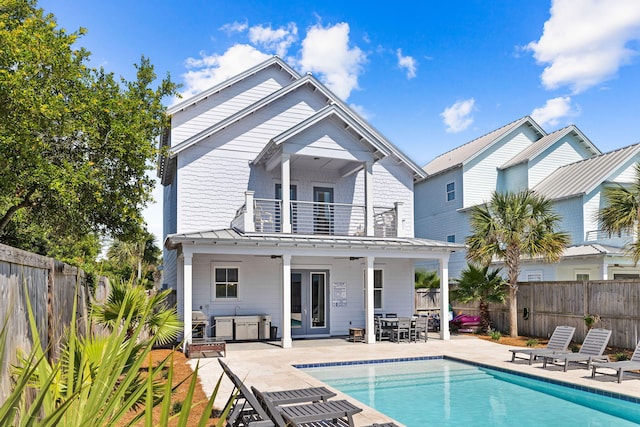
column 592, row 350
column 559, row 342
column 621, row 366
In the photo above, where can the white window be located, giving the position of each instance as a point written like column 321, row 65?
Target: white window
column 451, row 191
column 225, row 282
column 377, row 288
column 451, row 238
column 582, row 275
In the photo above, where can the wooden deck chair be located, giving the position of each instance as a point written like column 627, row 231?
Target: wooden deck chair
column 592, row 350
column 246, row 411
column 621, row 366
column 559, row 342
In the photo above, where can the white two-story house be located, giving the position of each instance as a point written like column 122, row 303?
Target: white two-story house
column 563, row 166
column 282, row 204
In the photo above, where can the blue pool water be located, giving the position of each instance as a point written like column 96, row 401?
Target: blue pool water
column 446, row 392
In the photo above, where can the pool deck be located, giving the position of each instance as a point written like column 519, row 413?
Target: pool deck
column 268, row 367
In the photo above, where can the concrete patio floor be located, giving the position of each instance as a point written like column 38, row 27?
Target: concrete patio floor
column 267, row 366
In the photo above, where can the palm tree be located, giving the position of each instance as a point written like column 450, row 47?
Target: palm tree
column 512, row 225
column 480, row 284
column 622, row 212
column 427, row 279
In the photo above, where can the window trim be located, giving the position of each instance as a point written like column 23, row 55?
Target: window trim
column 451, row 192
column 214, row 267
column 451, row 238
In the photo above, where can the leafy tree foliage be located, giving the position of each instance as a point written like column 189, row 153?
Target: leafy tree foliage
column 622, row 212
column 482, row 285
column 426, row 279
column 137, row 260
column 76, row 141
column 512, row 225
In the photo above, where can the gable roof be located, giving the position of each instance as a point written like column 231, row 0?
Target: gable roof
column 332, row 110
column 582, row 177
column 308, row 79
column 271, row 62
column 547, row 141
column 464, row 153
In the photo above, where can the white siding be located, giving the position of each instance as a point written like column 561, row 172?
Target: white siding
column 481, row 173
column 206, row 113
column 627, row 174
column 169, row 224
column 566, row 150
column 260, row 291
column 435, row 217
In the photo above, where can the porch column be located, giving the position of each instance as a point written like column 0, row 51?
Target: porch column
column 249, row 221
column 368, row 198
column 444, row 298
column 370, row 336
column 187, row 276
column 605, row 270
column 400, row 232
column 180, row 293
column 286, row 193
column 286, row 301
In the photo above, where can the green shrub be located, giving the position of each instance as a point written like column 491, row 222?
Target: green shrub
column 532, row 342
column 176, row 408
column 620, row 356
column 495, row 335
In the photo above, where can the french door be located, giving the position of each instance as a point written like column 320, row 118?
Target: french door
column 309, row 308
column 322, row 210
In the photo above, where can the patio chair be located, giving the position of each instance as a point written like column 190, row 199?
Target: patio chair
column 383, row 425
column 420, row 326
column 621, row 366
column 559, row 342
column 382, row 331
column 402, row 330
column 331, row 412
column 245, row 411
column 592, row 349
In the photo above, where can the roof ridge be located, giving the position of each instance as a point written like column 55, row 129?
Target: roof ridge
column 480, row 137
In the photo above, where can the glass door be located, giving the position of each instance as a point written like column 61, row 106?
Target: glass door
column 323, row 210
column 293, row 196
column 309, row 308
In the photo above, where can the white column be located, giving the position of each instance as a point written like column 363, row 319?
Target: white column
column 286, row 193
column 370, row 337
column 180, row 294
column 249, row 222
column 286, row 301
column 188, row 292
column 444, row 298
column 368, row 197
column 605, row 270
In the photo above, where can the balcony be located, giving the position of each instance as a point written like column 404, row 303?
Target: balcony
column 316, row 218
column 605, row 237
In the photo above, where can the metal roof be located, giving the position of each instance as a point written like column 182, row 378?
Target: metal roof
column 590, row 250
column 545, row 142
column 462, row 154
column 273, row 61
column 583, row 176
column 231, row 237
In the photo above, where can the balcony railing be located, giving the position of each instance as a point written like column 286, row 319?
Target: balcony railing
column 337, row 219
column 595, row 235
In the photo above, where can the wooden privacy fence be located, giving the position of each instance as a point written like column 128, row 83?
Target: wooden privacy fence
column 544, row 305
column 51, row 290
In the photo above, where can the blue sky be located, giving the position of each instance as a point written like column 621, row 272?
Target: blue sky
column 429, row 75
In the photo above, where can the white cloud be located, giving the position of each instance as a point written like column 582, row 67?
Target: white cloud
column 554, row 110
column 458, row 116
column 209, row 70
column 585, row 43
column 362, row 111
column 326, row 51
column 277, row 41
column 408, row 63
column 235, row 27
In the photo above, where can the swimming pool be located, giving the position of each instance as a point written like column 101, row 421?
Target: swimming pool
column 449, row 392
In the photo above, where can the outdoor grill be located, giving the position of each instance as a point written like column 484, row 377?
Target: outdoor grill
column 199, row 324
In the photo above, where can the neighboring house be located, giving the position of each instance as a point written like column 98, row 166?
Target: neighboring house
column 563, row 166
column 325, row 255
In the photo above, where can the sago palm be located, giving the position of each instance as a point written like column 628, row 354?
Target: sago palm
column 512, row 225
column 480, row 284
column 622, row 212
